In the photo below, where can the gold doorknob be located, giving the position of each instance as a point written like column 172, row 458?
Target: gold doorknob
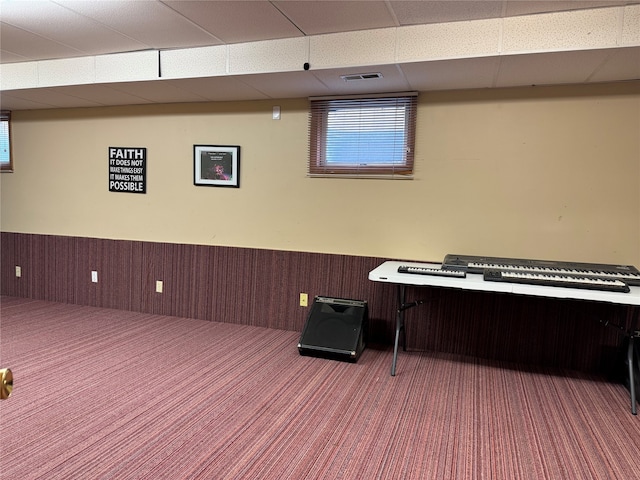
column 6, row 383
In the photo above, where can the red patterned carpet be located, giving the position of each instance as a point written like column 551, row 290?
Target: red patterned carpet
column 111, row 394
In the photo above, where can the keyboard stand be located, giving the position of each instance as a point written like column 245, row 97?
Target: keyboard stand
column 387, row 272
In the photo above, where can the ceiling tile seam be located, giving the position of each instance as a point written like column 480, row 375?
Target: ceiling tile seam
column 504, row 8
column 396, row 43
column 404, row 77
column 620, row 36
column 629, row 12
column 131, row 94
column 35, row 34
column 497, row 70
column 176, row 84
column 106, row 26
column 35, row 103
column 285, row 16
column 95, row 103
column 392, row 13
column 600, row 66
column 501, row 36
column 190, row 21
column 255, row 88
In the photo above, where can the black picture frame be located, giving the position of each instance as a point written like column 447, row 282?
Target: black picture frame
column 216, row 165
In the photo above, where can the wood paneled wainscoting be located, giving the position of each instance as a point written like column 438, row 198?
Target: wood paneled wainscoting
column 262, row 287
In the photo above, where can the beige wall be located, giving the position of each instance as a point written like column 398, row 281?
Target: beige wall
column 541, row 172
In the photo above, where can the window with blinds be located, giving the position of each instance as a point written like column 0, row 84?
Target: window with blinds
column 6, row 161
column 362, row 136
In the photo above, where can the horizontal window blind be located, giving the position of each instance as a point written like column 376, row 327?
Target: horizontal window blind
column 362, row 136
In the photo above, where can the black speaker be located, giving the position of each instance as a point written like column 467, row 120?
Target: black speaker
column 336, row 328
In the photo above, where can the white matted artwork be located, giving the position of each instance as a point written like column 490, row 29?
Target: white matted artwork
column 216, row 165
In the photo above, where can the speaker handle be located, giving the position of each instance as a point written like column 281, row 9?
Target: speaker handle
column 6, row 383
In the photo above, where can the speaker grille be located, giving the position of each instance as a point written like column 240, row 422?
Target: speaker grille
column 335, row 327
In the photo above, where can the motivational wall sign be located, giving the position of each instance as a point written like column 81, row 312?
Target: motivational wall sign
column 128, row 169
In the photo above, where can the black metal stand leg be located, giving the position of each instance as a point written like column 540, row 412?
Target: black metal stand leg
column 632, row 381
column 399, row 328
column 637, row 354
column 395, row 346
column 633, row 357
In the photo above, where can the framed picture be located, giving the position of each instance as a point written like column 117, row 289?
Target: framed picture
column 216, row 165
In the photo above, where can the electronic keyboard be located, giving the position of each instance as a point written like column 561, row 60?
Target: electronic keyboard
column 557, row 280
column 432, row 271
column 475, row 264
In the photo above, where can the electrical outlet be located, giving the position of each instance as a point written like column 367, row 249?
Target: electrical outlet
column 94, row 276
column 158, row 286
column 18, row 271
column 304, row 300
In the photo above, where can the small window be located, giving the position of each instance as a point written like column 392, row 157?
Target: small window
column 364, row 136
column 6, row 160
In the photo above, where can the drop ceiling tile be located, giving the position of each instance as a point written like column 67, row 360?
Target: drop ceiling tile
column 124, row 67
column 549, row 68
column 15, row 101
column 51, row 98
column 30, row 46
column 194, row 62
column 66, row 71
column 9, row 57
column 531, row 7
column 287, row 85
column 392, row 80
column 220, row 88
column 42, row 16
column 448, row 40
column 100, row 94
column 19, row 75
column 452, row 74
column 416, row 13
column 151, row 23
column 631, row 25
column 269, row 56
column 162, row 91
column 621, row 64
column 352, row 48
column 315, row 18
column 46, row 18
column 561, row 31
column 235, row 22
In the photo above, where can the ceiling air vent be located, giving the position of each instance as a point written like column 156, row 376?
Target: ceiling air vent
column 360, row 76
